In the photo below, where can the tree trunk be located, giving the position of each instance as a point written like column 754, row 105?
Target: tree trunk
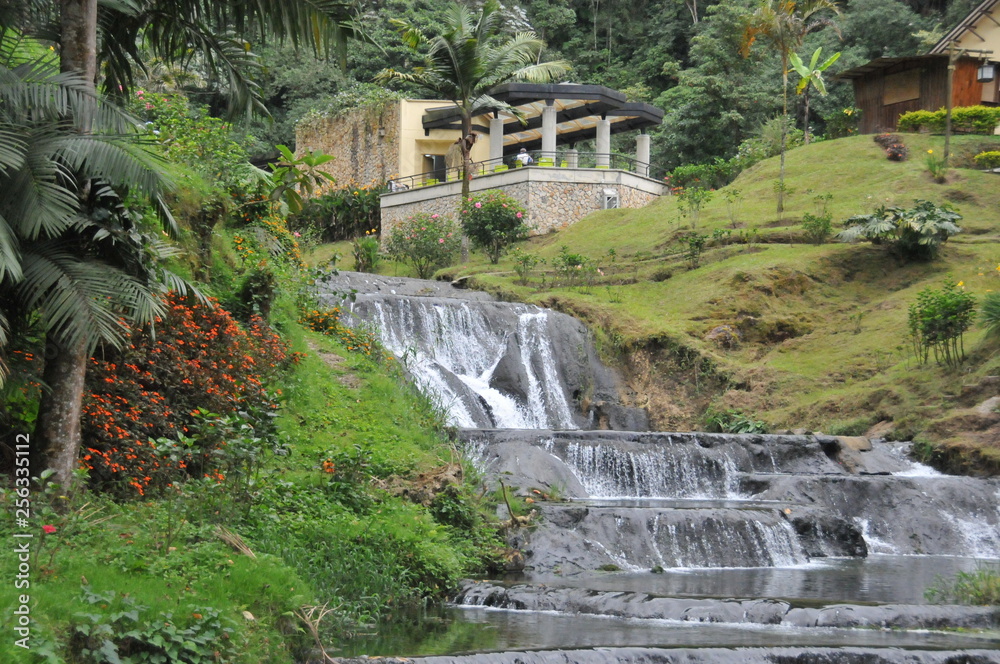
column 466, row 156
column 78, row 38
column 805, row 123
column 57, row 430
column 784, row 132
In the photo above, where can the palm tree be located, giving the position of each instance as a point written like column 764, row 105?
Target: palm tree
column 784, row 24
column 73, row 261
column 88, row 274
column 468, row 58
column 811, row 76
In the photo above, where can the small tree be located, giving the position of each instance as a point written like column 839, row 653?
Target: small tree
column 690, row 201
column 938, row 320
column 917, row 233
column 493, row 221
column 428, row 242
column 811, row 76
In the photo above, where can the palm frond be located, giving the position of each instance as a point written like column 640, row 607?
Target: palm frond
column 10, row 255
column 37, row 200
column 12, row 148
column 73, row 296
column 115, row 159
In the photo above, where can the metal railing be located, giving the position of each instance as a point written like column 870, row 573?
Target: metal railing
column 537, row 159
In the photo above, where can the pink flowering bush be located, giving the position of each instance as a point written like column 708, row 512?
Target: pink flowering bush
column 428, row 242
column 493, row 221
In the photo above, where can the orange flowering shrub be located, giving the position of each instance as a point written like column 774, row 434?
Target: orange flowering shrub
column 150, row 409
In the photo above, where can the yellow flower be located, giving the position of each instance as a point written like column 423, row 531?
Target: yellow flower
column 961, row 284
column 930, row 152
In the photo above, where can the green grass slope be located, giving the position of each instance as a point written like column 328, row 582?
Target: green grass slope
column 824, row 342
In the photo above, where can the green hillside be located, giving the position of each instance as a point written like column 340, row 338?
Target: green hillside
column 824, row 342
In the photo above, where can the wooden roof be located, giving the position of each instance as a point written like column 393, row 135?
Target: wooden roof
column 884, row 63
column 967, row 25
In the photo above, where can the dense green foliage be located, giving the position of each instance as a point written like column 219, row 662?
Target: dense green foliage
column 683, row 57
column 341, row 214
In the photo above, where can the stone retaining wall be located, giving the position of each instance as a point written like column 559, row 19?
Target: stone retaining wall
column 361, row 155
column 554, row 197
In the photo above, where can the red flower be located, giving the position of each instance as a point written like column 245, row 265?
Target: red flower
column 49, row 529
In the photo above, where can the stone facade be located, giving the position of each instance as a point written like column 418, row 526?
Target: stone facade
column 554, row 197
column 364, row 144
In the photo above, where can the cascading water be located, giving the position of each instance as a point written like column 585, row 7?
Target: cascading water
column 491, row 364
column 794, row 525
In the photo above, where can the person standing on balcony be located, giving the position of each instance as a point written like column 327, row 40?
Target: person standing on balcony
column 524, row 157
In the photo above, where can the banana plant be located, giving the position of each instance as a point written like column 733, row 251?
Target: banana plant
column 810, row 76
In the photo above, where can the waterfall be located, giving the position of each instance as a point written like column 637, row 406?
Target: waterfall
column 664, row 471
column 523, row 382
column 487, row 364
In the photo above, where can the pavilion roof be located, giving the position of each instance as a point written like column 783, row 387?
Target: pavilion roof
column 578, row 109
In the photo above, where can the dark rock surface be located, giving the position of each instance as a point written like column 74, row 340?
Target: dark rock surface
column 705, row 656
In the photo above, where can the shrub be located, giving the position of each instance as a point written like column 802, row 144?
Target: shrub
column 428, row 242
column 524, row 263
column 695, row 244
column 967, row 119
column 938, row 320
column 344, row 213
column 160, row 388
column 493, row 221
column 327, row 321
column 843, row 123
column 817, row 227
column 896, row 152
column 916, row 120
column 917, row 233
column 978, row 588
column 988, row 160
column 572, row 269
column 715, row 175
column 884, row 140
column 365, row 249
column 732, row 420
column 691, row 200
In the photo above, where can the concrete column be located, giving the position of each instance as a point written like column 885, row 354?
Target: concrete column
column 572, row 158
column 549, row 132
column 642, row 142
column 603, row 143
column 496, row 142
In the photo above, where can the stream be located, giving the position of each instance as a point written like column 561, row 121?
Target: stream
column 664, row 546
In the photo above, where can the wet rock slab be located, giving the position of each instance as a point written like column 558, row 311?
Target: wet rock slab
column 735, row 611
column 706, row 656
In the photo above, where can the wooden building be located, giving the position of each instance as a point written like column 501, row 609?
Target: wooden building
column 885, row 88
